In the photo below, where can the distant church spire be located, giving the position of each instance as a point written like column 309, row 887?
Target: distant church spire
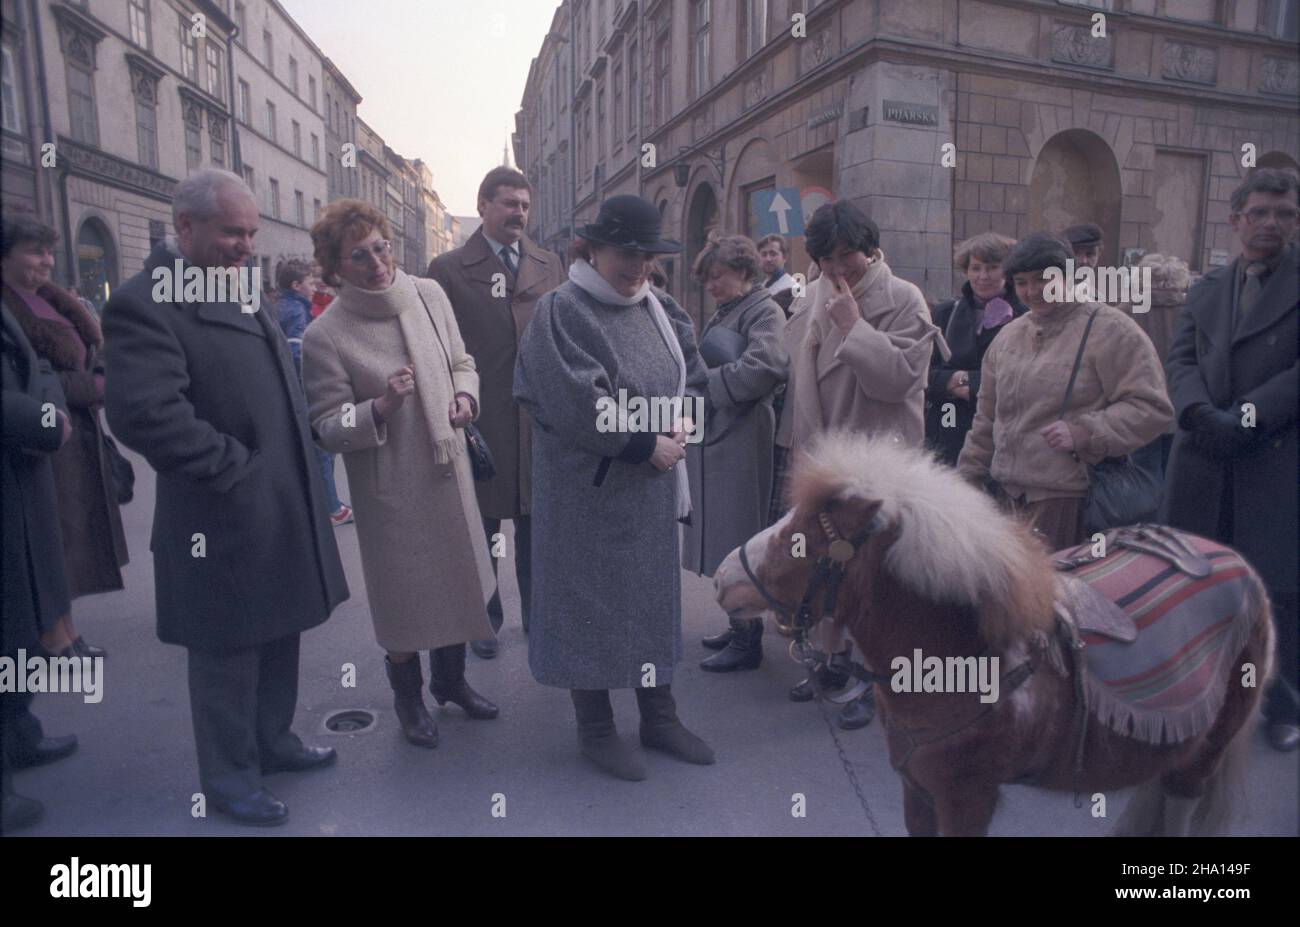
column 505, row 152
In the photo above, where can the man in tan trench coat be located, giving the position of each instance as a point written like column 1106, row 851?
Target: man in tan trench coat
column 493, row 281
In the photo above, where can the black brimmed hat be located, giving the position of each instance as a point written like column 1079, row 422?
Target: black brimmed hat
column 1085, row 233
column 628, row 221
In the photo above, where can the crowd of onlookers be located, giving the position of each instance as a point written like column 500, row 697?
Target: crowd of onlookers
column 466, row 399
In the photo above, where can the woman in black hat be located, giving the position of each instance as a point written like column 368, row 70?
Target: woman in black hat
column 609, row 371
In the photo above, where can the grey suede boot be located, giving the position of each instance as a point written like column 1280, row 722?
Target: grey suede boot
column 598, row 739
column 660, row 729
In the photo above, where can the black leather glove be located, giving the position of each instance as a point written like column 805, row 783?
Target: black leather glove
column 1219, row 432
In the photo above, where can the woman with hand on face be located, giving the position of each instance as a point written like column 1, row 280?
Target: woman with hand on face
column 969, row 324
column 1034, row 457
column 860, row 343
column 608, row 490
column 731, row 470
column 390, row 387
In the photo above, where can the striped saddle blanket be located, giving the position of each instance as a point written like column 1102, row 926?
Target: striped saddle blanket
column 1162, row 678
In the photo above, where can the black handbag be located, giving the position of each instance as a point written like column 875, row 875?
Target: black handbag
column 120, row 472
column 1119, row 492
column 480, row 455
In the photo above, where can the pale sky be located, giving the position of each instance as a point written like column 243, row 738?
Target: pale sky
column 440, row 80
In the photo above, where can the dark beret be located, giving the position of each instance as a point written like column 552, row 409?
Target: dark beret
column 1085, row 233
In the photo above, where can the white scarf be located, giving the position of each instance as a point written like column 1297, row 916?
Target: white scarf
column 585, row 276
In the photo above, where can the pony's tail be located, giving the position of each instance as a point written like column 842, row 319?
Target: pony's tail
column 1153, row 812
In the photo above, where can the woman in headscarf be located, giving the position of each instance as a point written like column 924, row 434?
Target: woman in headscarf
column 608, row 370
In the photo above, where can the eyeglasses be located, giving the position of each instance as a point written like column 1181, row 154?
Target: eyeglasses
column 1258, row 214
column 380, row 249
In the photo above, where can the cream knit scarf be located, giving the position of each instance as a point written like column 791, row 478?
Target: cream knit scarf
column 426, row 348
column 596, row 286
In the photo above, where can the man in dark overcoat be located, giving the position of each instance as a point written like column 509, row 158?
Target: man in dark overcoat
column 1232, row 371
column 493, row 281
column 36, row 424
column 244, row 554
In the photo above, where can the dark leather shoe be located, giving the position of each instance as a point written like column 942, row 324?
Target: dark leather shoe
column 806, row 692
column 19, row 812
column 260, row 809
column 484, row 649
column 301, row 761
column 1283, row 737
column 859, row 712
column 718, row 641
column 82, row 649
column 743, row 652
column 47, row 750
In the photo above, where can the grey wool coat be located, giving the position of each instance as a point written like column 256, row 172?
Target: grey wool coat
column 209, row 395
column 423, row 552
column 731, row 470
column 606, row 580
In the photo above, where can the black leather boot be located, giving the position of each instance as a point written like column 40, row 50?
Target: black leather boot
column 447, row 683
column 597, row 738
column 718, row 641
column 859, row 712
column 408, row 702
column 660, row 729
column 743, row 652
column 806, row 692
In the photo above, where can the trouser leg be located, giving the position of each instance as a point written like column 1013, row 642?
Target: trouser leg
column 492, row 526
column 223, row 705
column 524, row 565
column 277, row 697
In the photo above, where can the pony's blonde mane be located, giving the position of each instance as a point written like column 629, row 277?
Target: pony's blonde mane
column 954, row 546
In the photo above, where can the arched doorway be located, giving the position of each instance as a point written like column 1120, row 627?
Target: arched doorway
column 96, row 263
column 1076, row 179
column 701, row 219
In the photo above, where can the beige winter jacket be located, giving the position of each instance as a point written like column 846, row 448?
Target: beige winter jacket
column 1120, row 401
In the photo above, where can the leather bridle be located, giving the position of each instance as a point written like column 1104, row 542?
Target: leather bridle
column 826, row 581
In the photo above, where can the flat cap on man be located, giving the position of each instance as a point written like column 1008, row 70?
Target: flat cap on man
column 1085, row 233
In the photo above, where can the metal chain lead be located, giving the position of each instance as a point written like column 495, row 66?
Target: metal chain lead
column 848, row 769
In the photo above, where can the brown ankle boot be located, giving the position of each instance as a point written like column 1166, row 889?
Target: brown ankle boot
column 408, row 701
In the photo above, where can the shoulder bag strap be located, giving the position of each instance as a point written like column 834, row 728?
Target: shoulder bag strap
column 1078, row 360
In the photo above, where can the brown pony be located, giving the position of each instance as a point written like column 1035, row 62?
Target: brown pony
column 939, row 568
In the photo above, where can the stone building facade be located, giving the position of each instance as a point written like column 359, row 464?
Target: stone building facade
column 108, row 103
column 942, row 118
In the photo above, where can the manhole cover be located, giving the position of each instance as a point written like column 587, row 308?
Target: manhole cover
column 352, row 721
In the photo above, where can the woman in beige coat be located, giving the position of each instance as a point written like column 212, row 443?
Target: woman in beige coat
column 390, row 387
column 860, row 344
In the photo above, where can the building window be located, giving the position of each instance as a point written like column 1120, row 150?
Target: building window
column 1285, row 19
column 241, row 21
column 217, row 130
column 214, row 81
column 700, row 46
column 249, row 179
column 299, row 210
column 81, row 103
column 315, row 150
column 189, row 50
column 615, row 113
column 663, row 68
column 293, row 75
column 600, row 125
column 329, row 124
column 137, row 15
column 311, row 90
column 146, row 132
column 633, row 88
column 315, row 210
column 270, row 120
column 275, row 198
column 297, row 139
column 756, row 27
column 193, row 146
column 245, row 103
column 13, row 113
column 268, row 51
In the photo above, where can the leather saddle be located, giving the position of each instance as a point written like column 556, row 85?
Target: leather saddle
column 1087, row 609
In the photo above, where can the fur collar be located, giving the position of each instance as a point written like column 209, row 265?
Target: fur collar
column 51, row 340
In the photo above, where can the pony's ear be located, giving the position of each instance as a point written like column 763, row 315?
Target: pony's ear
column 852, row 515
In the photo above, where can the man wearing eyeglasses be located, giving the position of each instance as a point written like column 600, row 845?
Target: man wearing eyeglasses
column 1232, row 371
column 493, row 281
